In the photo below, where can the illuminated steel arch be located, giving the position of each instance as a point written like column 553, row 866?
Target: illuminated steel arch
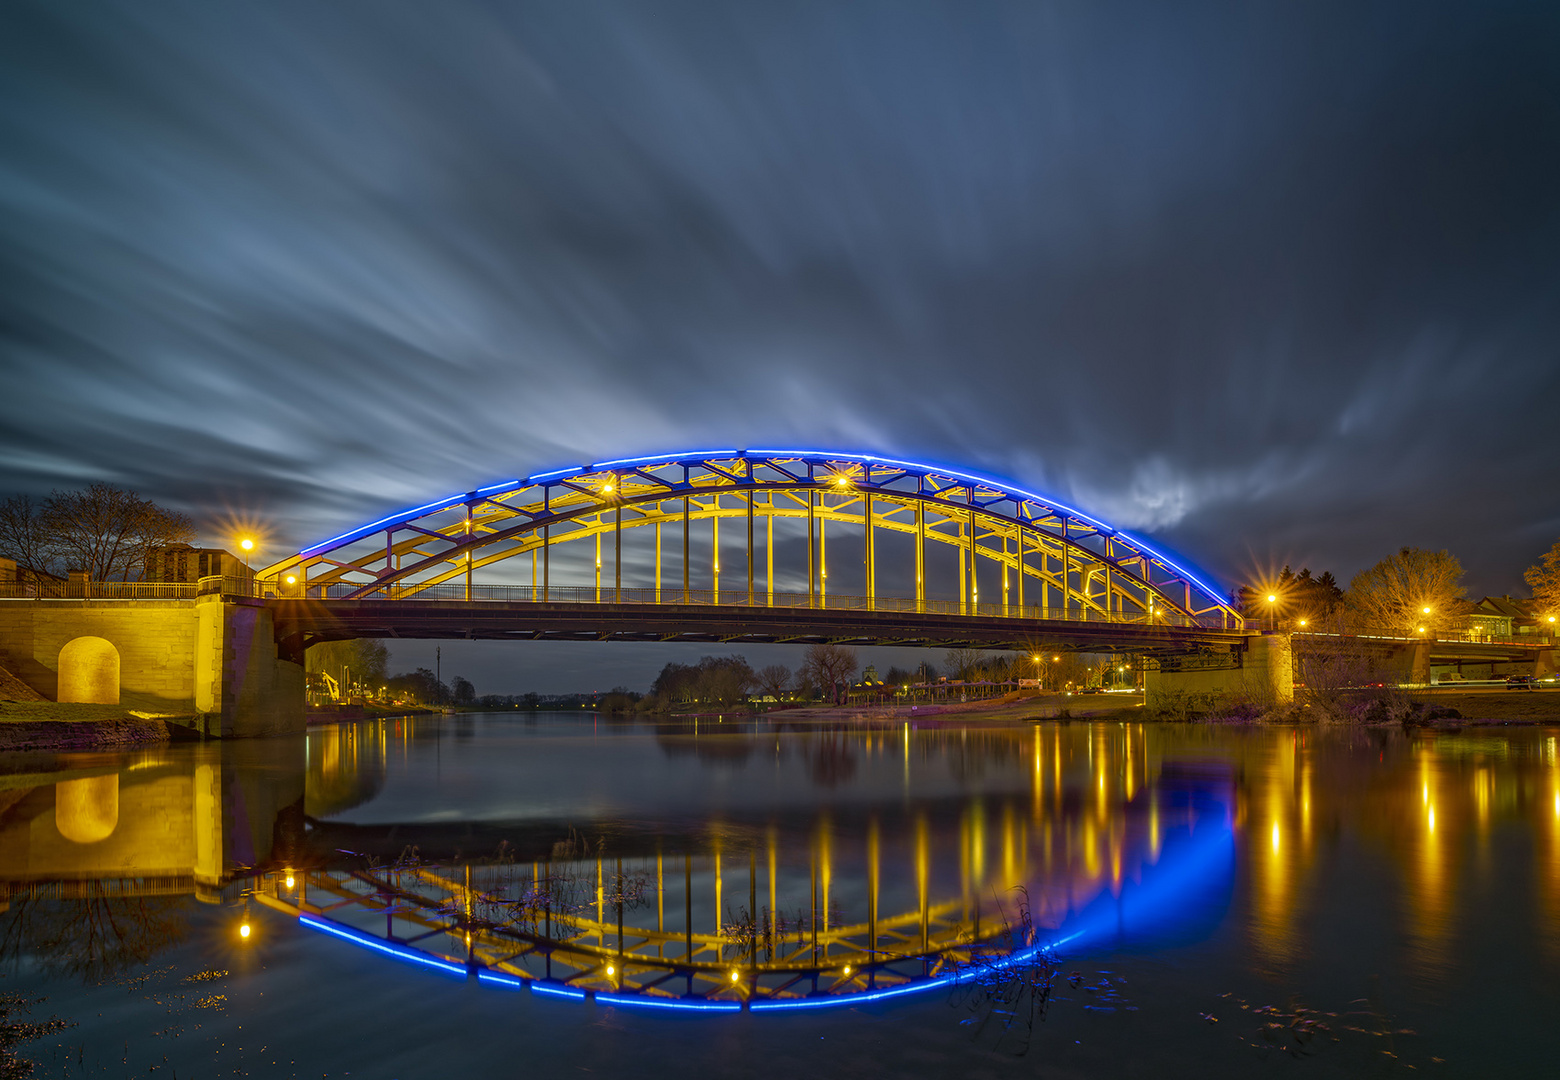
column 1042, row 558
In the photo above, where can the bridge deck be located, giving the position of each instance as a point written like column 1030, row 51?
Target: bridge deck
column 557, row 621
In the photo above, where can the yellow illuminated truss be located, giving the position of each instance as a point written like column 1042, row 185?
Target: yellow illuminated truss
column 1044, row 559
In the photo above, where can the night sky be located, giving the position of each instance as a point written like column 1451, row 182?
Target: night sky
column 1269, row 283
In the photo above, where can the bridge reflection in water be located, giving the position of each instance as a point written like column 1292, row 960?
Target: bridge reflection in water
column 819, row 865
column 799, row 914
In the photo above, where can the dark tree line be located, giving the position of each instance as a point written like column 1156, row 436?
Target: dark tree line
column 106, row 531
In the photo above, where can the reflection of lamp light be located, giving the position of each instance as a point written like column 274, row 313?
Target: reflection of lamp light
column 243, row 930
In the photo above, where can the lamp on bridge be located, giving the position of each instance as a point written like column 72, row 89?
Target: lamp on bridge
column 246, row 545
column 1272, row 616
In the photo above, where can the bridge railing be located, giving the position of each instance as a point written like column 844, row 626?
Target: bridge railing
column 98, row 590
column 587, row 594
column 1471, row 637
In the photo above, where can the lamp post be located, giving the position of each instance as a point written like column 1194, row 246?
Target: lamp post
column 1272, row 611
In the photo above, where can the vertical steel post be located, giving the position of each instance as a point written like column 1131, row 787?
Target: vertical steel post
column 812, row 570
column 920, row 556
column 823, row 562
column 546, row 561
column 772, row 922
column 866, row 506
column 715, row 541
column 872, row 890
column 974, row 584
column 769, row 548
column 1004, row 574
column 687, row 564
column 750, row 538
column 1066, row 570
column 922, row 873
column 813, row 899
column 1020, row 571
column 598, row 558
column 468, row 553
column 617, row 554
column 658, row 557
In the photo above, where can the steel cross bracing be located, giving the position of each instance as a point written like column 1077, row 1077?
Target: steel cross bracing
column 1018, row 554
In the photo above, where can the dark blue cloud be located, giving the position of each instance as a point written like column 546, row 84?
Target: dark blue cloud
column 1272, row 282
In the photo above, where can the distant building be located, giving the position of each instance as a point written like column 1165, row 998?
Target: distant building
column 182, row 563
column 1500, row 617
column 25, row 581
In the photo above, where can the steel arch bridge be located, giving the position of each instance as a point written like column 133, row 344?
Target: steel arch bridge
column 557, row 538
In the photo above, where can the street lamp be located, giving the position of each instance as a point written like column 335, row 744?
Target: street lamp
column 1272, row 616
column 246, row 545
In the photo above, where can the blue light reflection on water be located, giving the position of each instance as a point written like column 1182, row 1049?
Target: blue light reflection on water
column 1182, row 892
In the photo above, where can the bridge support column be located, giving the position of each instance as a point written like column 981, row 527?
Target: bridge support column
column 1261, row 675
column 242, row 684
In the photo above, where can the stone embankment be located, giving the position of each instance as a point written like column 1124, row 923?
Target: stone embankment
column 56, row 736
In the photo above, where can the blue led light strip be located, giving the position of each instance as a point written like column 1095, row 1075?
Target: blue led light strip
column 400, row 952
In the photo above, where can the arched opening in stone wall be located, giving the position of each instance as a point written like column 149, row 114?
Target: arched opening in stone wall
column 89, row 672
column 86, row 811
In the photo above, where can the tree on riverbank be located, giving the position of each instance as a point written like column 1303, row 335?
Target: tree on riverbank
column 1408, row 590
column 1543, row 577
column 714, row 680
column 831, row 667
column 356, row 660
column 106, row 531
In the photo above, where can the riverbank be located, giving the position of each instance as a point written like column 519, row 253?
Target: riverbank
column 51, row 726
column 1005, row 709
column 1496, row 706
column 352, row 713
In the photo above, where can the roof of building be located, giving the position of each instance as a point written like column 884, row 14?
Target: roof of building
column 1509, row 606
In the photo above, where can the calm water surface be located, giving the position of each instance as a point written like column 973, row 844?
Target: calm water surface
column 508, row 894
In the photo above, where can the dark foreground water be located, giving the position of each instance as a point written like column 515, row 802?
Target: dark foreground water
column 551, row 895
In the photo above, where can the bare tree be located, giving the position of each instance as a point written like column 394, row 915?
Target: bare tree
column 1408, row 590
column 774, row 680
column 831, row 667
column 107, row 531
column 962, row 663
column 1543, row 577
column 24, row 536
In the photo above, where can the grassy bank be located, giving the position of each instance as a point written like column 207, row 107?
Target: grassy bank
column 51, row 726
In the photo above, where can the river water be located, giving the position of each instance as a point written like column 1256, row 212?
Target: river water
column 550, row 894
